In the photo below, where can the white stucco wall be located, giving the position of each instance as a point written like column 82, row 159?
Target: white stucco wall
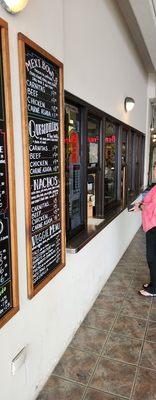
column 151, row 94
column 88, row 37
column 101, row 62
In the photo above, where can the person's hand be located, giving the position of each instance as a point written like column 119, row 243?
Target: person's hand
column 136, row 207
column 139, row 206
column 142, row 206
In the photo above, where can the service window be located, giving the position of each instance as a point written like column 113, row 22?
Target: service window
column 137, row 162
column 74, row 211
column 111, row 164
column 152, row 161
column 142, row 160
column 131, row 168
column 136, row 165
column 124, row 151
column 93, row 142
column 94, row 170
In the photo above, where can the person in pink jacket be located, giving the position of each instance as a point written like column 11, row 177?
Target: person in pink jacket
column 148, row 208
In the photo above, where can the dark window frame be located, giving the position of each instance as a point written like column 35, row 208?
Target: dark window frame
column 73, row 232
column 114, row 204
column 78, row 239
column 123, row 179
column 98, row 168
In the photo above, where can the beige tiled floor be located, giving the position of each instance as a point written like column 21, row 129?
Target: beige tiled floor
column 113, row 354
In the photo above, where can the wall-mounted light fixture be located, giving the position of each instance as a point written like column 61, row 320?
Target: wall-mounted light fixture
column 14, row 6
column 129, row 103
column 152, row 126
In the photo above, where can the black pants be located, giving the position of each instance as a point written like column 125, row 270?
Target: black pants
column 151, row 254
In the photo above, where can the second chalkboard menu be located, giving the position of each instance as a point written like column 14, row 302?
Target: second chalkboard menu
column 9, row 301
column 42, row 114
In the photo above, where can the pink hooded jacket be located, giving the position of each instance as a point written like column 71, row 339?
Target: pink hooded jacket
column 149, row 211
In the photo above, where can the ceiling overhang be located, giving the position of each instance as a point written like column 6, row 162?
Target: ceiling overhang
column 140, row 17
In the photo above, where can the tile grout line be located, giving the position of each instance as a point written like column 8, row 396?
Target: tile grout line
column 143, row 340
column 94, row 369
column 100, row 355
column 118, row 315
column 141, row 351
column 103, row 354
column 115, row 319
column 110, row 330
column 98, row 360
column 111, row 312
column 130, row 364
column 64, row 378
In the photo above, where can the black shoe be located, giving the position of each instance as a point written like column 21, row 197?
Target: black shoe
column 146, row 285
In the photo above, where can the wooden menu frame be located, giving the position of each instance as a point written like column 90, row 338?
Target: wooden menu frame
column 11, row 177
column 23, row 41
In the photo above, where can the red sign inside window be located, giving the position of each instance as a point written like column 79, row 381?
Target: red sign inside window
column 93, row 139
column 110, row 139
column 73, row 141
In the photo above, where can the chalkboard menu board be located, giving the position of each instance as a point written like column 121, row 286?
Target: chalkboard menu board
column 42, row 97
column 8, row 248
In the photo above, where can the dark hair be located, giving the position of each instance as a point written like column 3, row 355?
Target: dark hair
column 154, row 165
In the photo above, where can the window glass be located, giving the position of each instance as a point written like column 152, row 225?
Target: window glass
column 137, row 161
column 131, row 178
column 133, row 167
column 73, row 170
column 123, row 148
column 91, row 195
column 142, row 160
column 94, row 171
column 93, row 142
column 110, row 163
column 124, row 140
column 153, row 161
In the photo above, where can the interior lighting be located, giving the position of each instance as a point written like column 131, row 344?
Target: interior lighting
column 129, row 104
column 152, row 126
column 14, row 6
column 153, row 138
